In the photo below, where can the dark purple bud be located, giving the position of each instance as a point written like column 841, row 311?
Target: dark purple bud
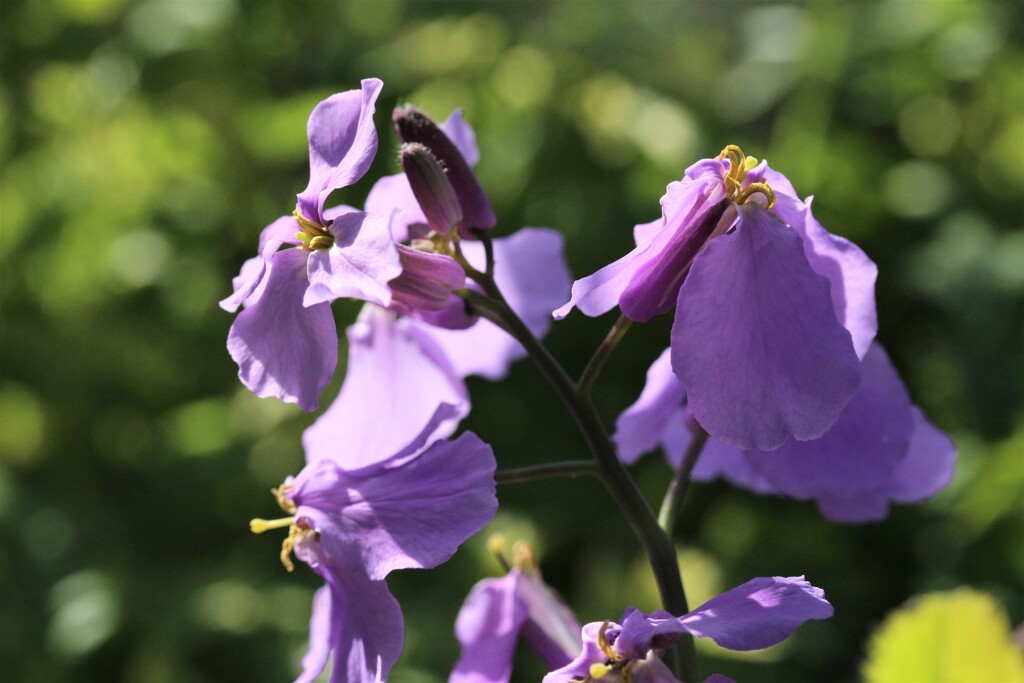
column 413, row 125
column 431, row 187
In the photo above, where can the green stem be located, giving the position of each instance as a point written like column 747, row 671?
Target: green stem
column 600, row 357
column 568, row 468
column 660, row 550
column 680, row 482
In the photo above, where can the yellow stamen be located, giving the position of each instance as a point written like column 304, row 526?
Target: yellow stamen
column 525, row 557
column 295, row 534
column 281, row 494
column 258, row 526
column 757, row 188
column 598, row 670
column 604, row 645
column 313, row 235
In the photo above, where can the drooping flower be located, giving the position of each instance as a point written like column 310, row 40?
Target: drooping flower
column 285, row 341
column 772, row 311
column 881, row 450
column 354, row 525
column 758, row 614
column 497, row 611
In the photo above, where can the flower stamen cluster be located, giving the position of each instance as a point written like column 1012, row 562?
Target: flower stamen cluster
column 739, row 165
column 296, row 530
column 312, row 235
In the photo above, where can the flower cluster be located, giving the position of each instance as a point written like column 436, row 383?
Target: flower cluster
column 772, row 380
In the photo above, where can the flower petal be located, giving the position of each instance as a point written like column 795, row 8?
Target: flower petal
column 415, row 514
column 395, row 379
column 360, row 263
column 756, row 340
column 342, row 144
column 321, row 625
column 246, row 283
column 283, row 348
column 861, row 450
column 849, row 270
column 530, row 270
column 927, row 469
column 599, row 292
column 642, row 426
column 758, row 614
column 366, row 631
column 487, row 628
column 589, row 654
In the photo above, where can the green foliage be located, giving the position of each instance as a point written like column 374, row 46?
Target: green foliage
column 957, row 637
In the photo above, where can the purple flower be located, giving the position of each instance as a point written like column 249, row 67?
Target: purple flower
column 284, row 341
column 497, row 611
column 353, row 526
column 772, row 311
column 881, row 450
column 760, row 613
column 401, row 368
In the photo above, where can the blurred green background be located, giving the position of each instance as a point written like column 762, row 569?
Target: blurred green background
column 145, row 144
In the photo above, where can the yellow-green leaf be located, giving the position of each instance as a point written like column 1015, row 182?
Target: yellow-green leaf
column 958, row 637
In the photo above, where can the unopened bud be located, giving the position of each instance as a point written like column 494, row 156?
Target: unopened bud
column 413, row 126
column 426, row 283
column 431, row 187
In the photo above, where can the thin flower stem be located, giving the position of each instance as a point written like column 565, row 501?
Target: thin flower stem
column 567, row 468
column 601, row 356
column 660, row 550
column 680, row 482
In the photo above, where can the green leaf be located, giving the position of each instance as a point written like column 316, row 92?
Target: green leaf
column 961, row 636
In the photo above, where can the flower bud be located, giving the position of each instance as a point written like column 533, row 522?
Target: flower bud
column 426, row 282
column 431, row 187
column 412, row 125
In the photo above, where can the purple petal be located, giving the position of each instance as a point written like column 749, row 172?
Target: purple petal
column 642, row 426
column 283, row 348
column 393, row 195
column 487, row 628
column 718, row 460
column 860, row 452
column 849, row 270
column 599, row 292
column 927, row 468
column 760, row 613
column 396, row 377
column 551, row 629
column 643, row 233
column 756, row 340
column 530, row 270
column 320, row 637
column 360, row 263
column 412, row 515
column 426, row 282
column 580, row 667
column 462, row 135
column 342, row 144
column 366, row 630
column 693, row 212
column 246, row 283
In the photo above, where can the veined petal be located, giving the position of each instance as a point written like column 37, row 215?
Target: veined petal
column 487, row 628
column 395, row 379
column 415, row 514
column 321, row 627
column 283, row 348
column 760, row 613
column 642, row 426
column 530, row 270
column 247, row 284
column 756, row 340
column 360, row 263
column 342, row 144
column 365, row 632
column 927, row 469
column 849, row 270
column 861, row 450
